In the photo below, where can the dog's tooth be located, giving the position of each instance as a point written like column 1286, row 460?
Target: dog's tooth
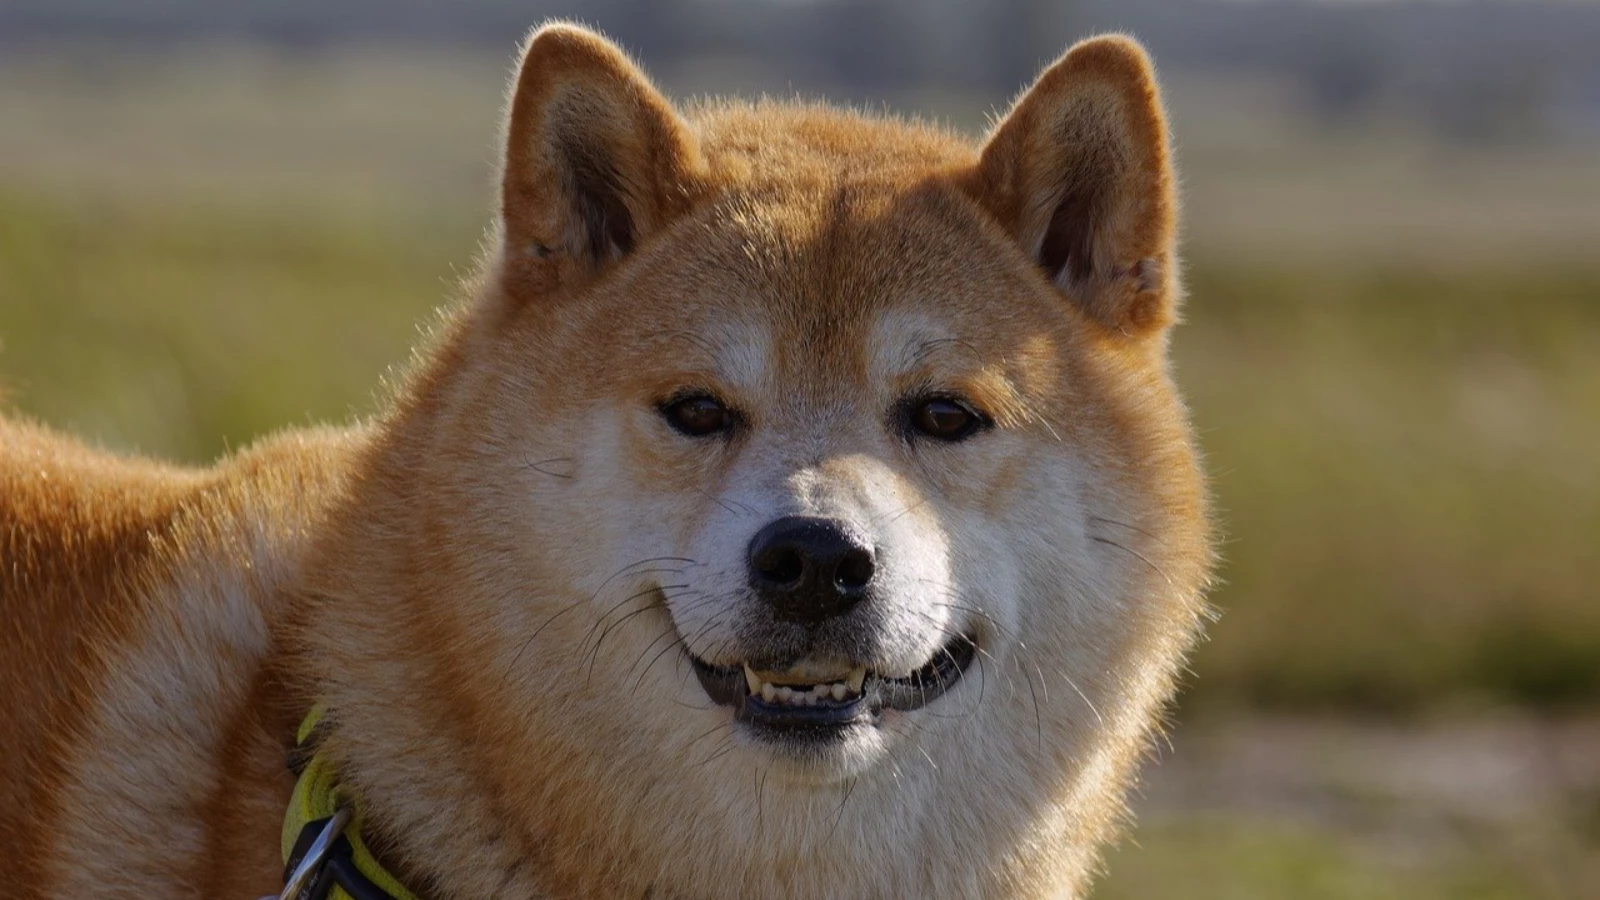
column 768, row 692
column 752, row 680
column 858, row 677
column 839, row 691
column 786, row 693
column 820, row 691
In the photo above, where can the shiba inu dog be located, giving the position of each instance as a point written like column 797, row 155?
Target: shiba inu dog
column 798, row 505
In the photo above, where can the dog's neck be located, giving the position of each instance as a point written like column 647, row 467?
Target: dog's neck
column 453, row 834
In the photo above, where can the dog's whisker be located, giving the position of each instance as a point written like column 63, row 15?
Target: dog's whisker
column 1136, row 555
column 839, row 814
column 1121, row 524
column 671, row 645
column 1079, row 691
column 593, row 654
column 542, row 466
column 761, row 787
column 727, row 746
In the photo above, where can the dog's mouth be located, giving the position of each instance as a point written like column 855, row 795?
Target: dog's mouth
column 816, row 700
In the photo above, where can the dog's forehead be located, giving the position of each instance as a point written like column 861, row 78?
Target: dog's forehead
column 823, row 297
column 907, row 338
column 738, row 349
column 861, row 275
column 748, row 350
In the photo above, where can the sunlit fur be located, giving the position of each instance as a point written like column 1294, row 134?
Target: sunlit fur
column 495, row 585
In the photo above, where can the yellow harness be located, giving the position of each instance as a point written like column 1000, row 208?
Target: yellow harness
column 323, row 854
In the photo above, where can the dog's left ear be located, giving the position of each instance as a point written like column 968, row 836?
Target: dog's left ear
column 596, row 160
column 1079, row 172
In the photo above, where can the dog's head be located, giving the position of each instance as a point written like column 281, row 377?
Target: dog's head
column 794, row 448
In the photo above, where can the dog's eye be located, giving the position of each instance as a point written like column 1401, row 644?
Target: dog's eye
column 945, row 419
column 698, row 415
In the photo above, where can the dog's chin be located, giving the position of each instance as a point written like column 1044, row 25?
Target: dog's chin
column 829, row 716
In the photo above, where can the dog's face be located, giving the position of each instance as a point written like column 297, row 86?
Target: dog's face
column 811, row 487
column 792, row 453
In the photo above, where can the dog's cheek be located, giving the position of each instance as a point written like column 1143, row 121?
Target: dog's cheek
column 1015, row 541
column 713, row 598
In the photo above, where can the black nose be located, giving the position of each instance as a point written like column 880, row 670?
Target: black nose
column 810, row 569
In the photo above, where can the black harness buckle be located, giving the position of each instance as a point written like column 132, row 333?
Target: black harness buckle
column 337, row 867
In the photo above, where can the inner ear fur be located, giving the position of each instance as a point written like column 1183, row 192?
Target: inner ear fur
column 1080, row 173
column 596, row 160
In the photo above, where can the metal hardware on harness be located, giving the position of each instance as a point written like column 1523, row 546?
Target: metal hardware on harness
column 316, row 854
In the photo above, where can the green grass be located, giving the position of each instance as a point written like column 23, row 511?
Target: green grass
column 181, row 335
column 1406, row 466
column 1244, row 858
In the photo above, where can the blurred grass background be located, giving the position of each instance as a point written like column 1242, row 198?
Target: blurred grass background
column 1392, row 350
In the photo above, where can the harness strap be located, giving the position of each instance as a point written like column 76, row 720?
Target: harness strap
column 346, row 868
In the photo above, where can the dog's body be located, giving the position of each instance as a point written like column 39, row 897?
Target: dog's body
column 799, row 508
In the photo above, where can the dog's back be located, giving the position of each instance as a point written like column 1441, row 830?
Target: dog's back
column 135, row 601
column 74, row 525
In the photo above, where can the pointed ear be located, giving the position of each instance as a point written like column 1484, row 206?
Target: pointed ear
column 596, row 160
column 1079, row 172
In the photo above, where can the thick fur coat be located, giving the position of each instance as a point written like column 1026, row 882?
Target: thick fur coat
column 518, row 587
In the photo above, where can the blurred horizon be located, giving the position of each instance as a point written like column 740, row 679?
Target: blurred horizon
column 218, row 220
column 1431, row 122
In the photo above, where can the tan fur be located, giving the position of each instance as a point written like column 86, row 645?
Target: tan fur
column 496, row 586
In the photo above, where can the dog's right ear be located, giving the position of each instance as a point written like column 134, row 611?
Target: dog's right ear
column 596, row 160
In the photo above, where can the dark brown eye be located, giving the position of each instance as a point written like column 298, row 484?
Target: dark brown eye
column 698, row 415
column 945, row 419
